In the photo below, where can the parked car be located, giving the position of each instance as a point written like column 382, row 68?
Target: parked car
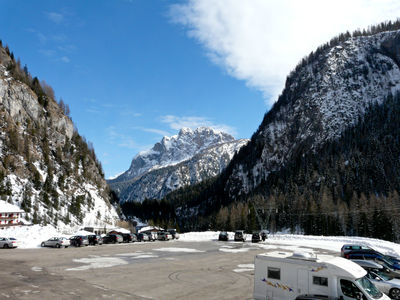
column 15, row 242
column 134, row 237
column 126, row 237
column 223, row 236
column 372, row 255
column 142, row 237
column 255, row 237
column 393, row 259
column 152, row 238
column 79, row 240
column 56, row 242
column 8, row 242
column 389, row 267
column 381, row 279
column 239, row 236
column 163, row 236
column 174, row 233
column 350, row 247
column 112, row 239
column 95, row 239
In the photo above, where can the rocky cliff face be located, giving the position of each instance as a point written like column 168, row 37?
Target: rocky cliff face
column 326, row 94
column 46, row 167
column 184, row 159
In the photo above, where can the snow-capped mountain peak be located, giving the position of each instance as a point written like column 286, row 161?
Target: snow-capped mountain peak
column 175, row 149
column 186, row 158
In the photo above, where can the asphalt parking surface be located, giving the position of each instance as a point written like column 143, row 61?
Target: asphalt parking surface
column 151, row 270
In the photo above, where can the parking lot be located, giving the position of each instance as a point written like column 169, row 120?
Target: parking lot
column 152, row 270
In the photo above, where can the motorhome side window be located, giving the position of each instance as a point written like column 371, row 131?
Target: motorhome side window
column 274, row 273
column 320, row 281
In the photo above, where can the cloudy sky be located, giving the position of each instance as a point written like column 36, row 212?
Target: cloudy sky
column 133, row 71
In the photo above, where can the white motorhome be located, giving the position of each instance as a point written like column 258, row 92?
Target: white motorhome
column 285, row 276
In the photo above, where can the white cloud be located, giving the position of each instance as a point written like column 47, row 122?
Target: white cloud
column 65, row 59
column 55, row 17
column 120, row 139
column 193, row 122
column 47, row 52
column 156, row 131
column 129, row 113
column 261, row 41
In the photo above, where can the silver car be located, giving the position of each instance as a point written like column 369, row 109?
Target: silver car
column 379, row 276
column 56, row 242
column 163, row 236
column 8, row 242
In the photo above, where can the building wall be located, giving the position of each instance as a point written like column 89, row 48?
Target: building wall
column 7, row 218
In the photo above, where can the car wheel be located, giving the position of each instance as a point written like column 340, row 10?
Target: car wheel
column 5, row 246
column 42, row 244
column 58, row 246
column 394, row 293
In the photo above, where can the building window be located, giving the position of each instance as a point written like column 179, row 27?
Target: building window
column 274, row 273
column 320, row 281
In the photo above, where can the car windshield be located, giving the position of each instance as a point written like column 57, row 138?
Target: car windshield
column 385, row 261
column 369, row 287
column 390, row 259
column 383, row 275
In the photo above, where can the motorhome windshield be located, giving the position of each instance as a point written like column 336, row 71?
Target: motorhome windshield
column 369, row 287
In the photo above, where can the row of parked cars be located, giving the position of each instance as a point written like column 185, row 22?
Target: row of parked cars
column 111, row 238
column 240, row 236
column 382, row 270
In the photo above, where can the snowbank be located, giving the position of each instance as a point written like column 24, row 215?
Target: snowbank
column 30, row 236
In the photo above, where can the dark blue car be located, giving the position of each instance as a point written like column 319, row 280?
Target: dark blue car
column 373, row 255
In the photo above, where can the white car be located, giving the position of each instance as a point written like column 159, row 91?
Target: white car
column 386, row 284
column 381, row 279
column 56, row 242
column 8, row 242
column 174, row 233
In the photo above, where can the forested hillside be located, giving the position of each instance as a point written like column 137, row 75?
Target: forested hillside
column 325, row 158
column 349, row 186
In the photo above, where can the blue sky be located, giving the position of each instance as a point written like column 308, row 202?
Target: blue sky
column 134, row 71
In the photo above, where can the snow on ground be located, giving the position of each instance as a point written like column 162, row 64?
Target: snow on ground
column 138, row 255
column 234, row 250
column 295, row 242
column 32, row 236
column 172, row 249
column 97, row 262
column 244, row 268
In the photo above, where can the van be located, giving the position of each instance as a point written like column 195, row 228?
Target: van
column 239, row 236
column 286, row 276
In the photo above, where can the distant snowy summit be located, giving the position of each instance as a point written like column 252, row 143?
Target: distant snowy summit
column 173, row 150
column 181, row 153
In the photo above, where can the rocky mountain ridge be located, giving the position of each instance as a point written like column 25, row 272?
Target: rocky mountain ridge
column 46, row 167
column 180, row 160
column 324, row 159
column 321, row 99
